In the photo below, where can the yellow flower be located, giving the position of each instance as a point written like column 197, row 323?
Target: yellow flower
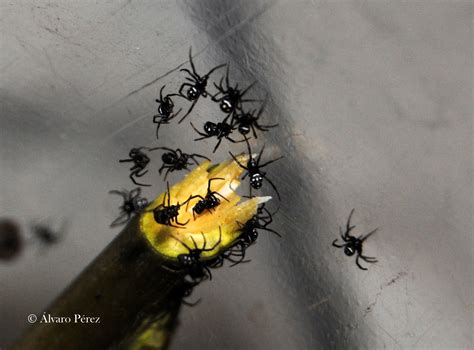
column 215, row 229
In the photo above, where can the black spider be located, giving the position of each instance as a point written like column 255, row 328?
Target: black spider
column 353, row 244
column 176, row 160
column 249, row 234
column 132, row 204
column 140, row 161
column 248, row 121
column 196, row 87
column 191, row 262
column 230, row 98
column 219, row 130
column 254, row 171
column 165, row 110
column 209, row 202
column 166, row 213
column 11, row 240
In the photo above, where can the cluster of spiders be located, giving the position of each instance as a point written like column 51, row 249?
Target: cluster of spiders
column 240, row 122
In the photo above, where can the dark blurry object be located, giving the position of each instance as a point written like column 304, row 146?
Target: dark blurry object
column 353, row 245
column 46, row 236
column 11, row 241
column 197, row 85
column 132, row 204
column 165, row 110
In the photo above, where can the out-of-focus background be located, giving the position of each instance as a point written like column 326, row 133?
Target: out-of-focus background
column 374, row 105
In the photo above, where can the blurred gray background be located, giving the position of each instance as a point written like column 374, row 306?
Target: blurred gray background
column 374, row 105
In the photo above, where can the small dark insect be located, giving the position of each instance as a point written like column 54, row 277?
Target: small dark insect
column 176, row 160
column 249, row 234
column 165, row 110
column 230, row 98
column 47, row 236
column 167, row 214
column 196, row 87
column 219, row 130
column 140, row 161
column 197, row 269
column 11, row 240
column 132, row 204
column 248, row 121
column 353, row 245
column 209, row 202
column 254, row 171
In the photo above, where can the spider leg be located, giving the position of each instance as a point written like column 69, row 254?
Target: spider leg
column 189, row 110
column 348, row 225
column 163, row 167
column 120, row 193
column 237, row 161
column 193, row 76
column 192, row 197
column 208, row 272
column 217, row 145
column 140, row 172
column 253, row 130
column 169, row 170
column 227, row 76
column 271, row 230
column 273, row 186
column 135, row 181
column 157, row 127
column 337, row 245
column 260, row 155
column 265, row 127
column 194, row 155
column 180, row 91
column 220, row 195
column 122, row 219
column 234, row 141
column 369, row 259
column 359, row 265
column 246, row 90
column 161, row 94
column 192, row 304
column 200, row 133
column 271, row 161
column 181, row 224
column 126, row 160
column 182, row 243
column 135, row 193
column 214, row 69
column 191, row 61
column 363, row 238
